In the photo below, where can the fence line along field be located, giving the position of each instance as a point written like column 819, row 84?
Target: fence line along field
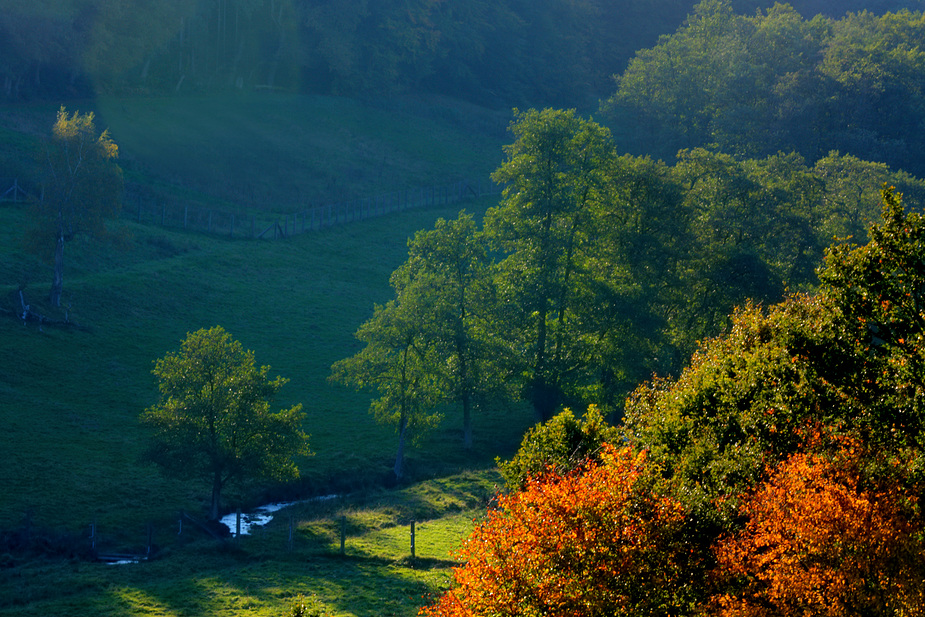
column 312, row 218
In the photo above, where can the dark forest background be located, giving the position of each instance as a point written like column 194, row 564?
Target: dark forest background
column 500, row 53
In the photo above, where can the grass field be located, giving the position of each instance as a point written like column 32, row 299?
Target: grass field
column 261, row 574
column 71, row 445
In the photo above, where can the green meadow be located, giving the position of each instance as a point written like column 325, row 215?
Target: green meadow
column 71, row 446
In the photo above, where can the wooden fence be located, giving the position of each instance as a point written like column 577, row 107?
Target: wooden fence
column 95, row 543
column 311, row 218
column 12, row 191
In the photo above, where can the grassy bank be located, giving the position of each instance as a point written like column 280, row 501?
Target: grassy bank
column 260, row 575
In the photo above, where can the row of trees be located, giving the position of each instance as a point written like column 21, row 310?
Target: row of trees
column 509, row 52
column 780, row 474
column 756, row 84
column 597, row 270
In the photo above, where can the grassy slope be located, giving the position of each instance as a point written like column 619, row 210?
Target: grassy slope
column 71, row 398
column 70, row 443
column 281, row 152
column 259, row 576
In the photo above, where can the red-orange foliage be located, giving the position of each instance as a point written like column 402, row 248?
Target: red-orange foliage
column 822, row 540
column 586, row 543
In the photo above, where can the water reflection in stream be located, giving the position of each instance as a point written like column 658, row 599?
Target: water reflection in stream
column 262, row 515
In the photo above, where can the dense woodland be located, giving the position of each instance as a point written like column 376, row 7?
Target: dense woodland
column 506, row 53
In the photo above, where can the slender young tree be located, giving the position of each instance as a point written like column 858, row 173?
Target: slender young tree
column 82, row 189
column 398, row 363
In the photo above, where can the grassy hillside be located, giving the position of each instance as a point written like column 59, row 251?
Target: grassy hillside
column 260, row 575
column 70, row 397
column 70, row 442
column 275, row 152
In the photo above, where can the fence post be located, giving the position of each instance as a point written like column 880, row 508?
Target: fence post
column 343, row 534
column 412, row 539
column 237, row 523
column 185, row 215
column 150, row 537
column 164, row 215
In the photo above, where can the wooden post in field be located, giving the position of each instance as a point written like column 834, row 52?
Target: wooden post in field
column 343, row 534
column 237, row 523
column 412, row 539
column 290, row 541
column 150, row 537
column 185, row 215
column 93, row 537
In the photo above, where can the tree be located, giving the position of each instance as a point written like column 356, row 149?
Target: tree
column 399, row 363
column 82, row 189
column 589, row 542
column 450, row 264
column 556, row 174
column 562, row 444
column 213, row 419
column 821, row 538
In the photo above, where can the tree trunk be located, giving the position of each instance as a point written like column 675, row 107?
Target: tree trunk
column 400, row 455
column 467, row 422
column 57, row 284
column 215, row 510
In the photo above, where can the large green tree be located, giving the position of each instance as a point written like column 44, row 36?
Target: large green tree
column 557, row 177
column 214, row 420
column 82, row 189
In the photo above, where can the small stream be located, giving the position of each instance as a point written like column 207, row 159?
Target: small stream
column 263, row 515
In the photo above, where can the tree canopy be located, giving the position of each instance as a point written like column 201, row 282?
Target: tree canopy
column 780, row 474
column 782, row 82
column 214, row 421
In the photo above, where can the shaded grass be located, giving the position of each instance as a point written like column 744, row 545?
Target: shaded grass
column 258, row 575
column 71, row 443
column 280, row 153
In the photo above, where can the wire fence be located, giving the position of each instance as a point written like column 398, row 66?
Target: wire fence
column 95, row 542
column 311, row 218
column 220, row 222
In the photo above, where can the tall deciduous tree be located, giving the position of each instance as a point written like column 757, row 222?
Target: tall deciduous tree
column 82, row 189
column 399, row 363
column 450, row 264
column 556, row 174
column 214, row 421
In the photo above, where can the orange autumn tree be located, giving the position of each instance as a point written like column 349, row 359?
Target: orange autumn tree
column 596, row 542
column 824, row 537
